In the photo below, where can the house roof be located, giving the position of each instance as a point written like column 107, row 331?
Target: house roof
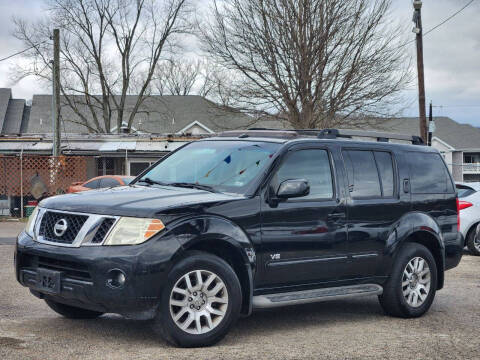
column 458, row 136
column 5, row 95
column 157, row 114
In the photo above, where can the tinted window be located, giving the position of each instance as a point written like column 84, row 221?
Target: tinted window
column 95, row 184
column 428, row 174
column 311, row 165
column 109, row 182
column 362, row 174
column 385, row 169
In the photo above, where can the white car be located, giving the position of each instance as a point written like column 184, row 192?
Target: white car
column 469, row 206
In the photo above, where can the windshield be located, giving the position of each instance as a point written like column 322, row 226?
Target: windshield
column 224, row 166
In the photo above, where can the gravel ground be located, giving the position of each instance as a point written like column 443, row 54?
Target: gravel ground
column 353, row 329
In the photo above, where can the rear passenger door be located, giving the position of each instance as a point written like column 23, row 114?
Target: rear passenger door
column 373, row 206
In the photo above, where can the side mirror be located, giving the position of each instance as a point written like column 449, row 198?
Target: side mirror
column 293, row 188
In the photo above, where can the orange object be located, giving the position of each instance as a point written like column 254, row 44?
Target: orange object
column 100, row 182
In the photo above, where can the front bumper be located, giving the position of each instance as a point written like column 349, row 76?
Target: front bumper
column 85, row 278
column 454, row 251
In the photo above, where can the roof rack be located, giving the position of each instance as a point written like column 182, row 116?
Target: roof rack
column 380, row 136
column 321, row 134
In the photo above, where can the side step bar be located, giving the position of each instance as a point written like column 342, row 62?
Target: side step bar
column 315, row 295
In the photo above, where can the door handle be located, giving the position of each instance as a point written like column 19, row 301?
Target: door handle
column 336, row 216
column 406, row 186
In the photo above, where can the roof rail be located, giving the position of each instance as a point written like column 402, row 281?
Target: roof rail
column 380, row 136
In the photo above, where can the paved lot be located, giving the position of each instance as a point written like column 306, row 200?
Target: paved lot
column 353, row 329
column 9, row 230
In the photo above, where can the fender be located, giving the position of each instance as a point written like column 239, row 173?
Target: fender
column 191, row 232
column 407, row 225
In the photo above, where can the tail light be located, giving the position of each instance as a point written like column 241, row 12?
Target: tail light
column 461, row 204
column 458, row 214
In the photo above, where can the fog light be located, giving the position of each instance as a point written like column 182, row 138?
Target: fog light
column 116, row 279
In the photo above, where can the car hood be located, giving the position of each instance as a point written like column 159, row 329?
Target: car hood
column 135, row 200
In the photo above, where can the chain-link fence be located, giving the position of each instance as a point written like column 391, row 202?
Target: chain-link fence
column 31, row 177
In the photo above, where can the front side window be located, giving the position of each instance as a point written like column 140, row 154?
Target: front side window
column 225, row 166
column 428, row 173
column 312, row 165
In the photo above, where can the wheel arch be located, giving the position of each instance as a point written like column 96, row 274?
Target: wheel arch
column 421, row 228
column 472, row 227
column 225, row 239
column 433, row 243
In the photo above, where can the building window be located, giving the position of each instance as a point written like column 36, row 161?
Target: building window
column 105, row 166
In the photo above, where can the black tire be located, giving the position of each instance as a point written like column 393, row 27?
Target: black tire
column 393, row 300
column 471, row 241
column 72, row 312
column 164, row 324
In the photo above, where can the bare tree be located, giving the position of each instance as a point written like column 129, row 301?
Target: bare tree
column 319, row 63
column 177, row 77
column 109, row 49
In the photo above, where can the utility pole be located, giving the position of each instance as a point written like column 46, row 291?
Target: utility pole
column 56, row 92
column 431, row 125
column 417, row 19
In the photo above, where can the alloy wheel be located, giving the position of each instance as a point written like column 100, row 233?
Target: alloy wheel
column 198, row 302
column 416, row 282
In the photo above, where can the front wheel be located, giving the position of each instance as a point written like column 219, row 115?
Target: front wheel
column 410, row 290
column 200, row 302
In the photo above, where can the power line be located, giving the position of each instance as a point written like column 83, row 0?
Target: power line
column 24, row 50
column 440, row 24
column 457, row 106
column 450, row 17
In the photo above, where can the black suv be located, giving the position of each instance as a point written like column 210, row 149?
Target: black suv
column 247, row 220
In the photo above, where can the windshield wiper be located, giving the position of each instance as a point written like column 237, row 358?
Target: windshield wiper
column 152, row 182
column 192, row 186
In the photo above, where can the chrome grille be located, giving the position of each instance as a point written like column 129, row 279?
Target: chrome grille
column 103, row 230
column 74, row 224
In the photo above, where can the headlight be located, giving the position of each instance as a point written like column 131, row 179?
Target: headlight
column 29, row 229
column 132, row 231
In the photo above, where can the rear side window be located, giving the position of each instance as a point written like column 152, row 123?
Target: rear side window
column 109, row 182
column 428, row 174
column 370, row 173
column 312, row 165
column 95, row 184
column 385, row 169
column 362, row 174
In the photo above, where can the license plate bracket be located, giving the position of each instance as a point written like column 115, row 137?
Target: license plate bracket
column 48, row 280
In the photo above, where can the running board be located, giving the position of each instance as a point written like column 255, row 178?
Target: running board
column 315, row 295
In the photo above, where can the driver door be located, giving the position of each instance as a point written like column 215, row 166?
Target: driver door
column 304, row 239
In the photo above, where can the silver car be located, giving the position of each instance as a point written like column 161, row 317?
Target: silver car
column 469, row 206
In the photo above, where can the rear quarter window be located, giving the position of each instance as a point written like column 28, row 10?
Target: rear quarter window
column 428, row 174
column 464, row 191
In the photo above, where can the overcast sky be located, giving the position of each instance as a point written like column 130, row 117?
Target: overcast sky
column 451, row 55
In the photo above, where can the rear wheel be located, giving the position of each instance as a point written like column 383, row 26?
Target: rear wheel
column 473, row 242
column 72, row 312
column 410, row 290
column 200, row 302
